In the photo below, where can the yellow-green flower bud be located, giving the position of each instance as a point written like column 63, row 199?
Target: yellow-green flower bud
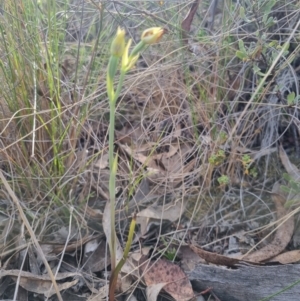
column 125, row 58
column 128, row 61
column 152, row 35
column 118, row 44
column 132, row 62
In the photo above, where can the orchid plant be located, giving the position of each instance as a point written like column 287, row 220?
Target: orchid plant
column 120, row 51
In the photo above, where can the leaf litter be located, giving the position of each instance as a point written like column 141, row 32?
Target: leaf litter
column 40, row 284
column 283, row 234
column 168, row 164
column 170, row 277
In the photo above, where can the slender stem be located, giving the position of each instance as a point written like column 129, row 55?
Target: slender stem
column 112, row 178
column 112, row 184
column 116, row 271
column 120, row 84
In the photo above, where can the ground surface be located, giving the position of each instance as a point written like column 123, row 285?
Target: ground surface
column 207, row 136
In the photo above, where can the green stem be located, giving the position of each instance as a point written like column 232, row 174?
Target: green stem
column 112, row 178
column 120, row 84
column 137, row 49
column 112, row 185
column 116, row 271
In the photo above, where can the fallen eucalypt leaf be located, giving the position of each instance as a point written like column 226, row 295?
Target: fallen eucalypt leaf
column 120, row 51
column 163, row 274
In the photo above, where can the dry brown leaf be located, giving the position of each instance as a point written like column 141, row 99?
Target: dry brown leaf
column 188, row 258
column 92, row 213
column 175, row 164
column 291, row 169
column 163, row 167
column 137, row 256
column 186, row 23
column 80, row 159
column 171, row 161
column 102, row 163
column 287, row 257
column 155, row 214
column 146, row 160
column 163, row 271
column 152, row 291
column 283, row 235
column 94, row 259
column 142, row 193
column 281, row 239
column 173, row 148
column 100, row 295
column 130, row 135
column 40, row 284
column 214, row 257
column 72, row 246
column 130, row 267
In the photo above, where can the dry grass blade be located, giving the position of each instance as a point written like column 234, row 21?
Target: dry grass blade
column 32, row 235
column 262, row 82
